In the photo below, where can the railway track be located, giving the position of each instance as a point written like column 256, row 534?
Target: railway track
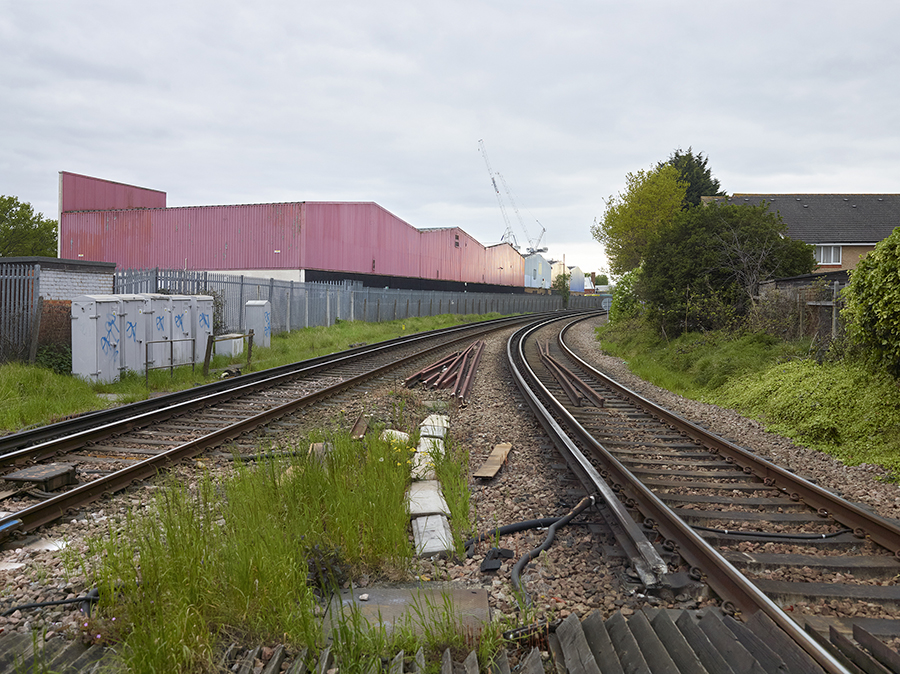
column 84, row 458
column 661, row 561
column 768, row 544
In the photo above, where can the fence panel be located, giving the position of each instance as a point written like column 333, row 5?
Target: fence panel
column 298, row 305
column 19, row 293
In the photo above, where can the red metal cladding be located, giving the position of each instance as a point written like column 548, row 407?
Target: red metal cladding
column 84, row 193
column 361, row 238
column 259, row 236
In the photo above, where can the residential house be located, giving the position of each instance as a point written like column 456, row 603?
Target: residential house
column 843, row 227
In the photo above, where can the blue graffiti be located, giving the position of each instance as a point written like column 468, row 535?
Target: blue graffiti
column 160, row 325
column 268, row 329
column 131, row 330
column 109, row 343
column 179, row 321
column 204, row 321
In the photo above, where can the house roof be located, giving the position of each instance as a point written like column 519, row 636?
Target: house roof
column 832, row 218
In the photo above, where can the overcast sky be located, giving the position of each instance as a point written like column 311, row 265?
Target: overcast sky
column 236, row 102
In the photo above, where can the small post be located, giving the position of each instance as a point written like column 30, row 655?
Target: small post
column 210, row 340
column 249, row 348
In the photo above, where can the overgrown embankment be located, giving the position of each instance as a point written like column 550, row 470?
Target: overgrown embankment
column 843, row 408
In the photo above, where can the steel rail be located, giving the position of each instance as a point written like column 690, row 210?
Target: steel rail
column 47, row 511
column 35, row 436
column 648, row 564
column 864, row 523
column 722, row 576
column 134, row 416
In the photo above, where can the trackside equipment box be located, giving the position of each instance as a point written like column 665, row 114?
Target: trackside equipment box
column 258, row 317
column 96, row 337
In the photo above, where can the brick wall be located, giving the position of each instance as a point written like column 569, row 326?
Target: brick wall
column 61, row 284
column 56, row 323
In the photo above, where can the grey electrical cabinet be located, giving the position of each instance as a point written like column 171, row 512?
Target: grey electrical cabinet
column 96, row 337
column 258, row 317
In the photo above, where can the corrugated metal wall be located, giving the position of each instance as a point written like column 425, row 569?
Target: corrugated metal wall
column 360, row 238
column 84, row 193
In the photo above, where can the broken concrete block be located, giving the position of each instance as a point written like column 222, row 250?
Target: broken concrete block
column 432, row 535
column 396, row 438
column 425, row 498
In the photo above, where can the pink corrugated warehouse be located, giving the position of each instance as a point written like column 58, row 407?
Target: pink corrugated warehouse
column 137, row 231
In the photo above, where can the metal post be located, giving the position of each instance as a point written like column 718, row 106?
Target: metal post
column 249, row 348
column 210, row 340
column 241, row 307
column 290, row 302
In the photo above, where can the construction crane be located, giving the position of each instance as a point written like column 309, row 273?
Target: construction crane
column 508, row 236
column 534, row 246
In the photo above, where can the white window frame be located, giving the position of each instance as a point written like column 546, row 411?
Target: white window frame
column 833, row 254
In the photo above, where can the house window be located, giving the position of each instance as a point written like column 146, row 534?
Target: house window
column 534, row 273
column 828, row 254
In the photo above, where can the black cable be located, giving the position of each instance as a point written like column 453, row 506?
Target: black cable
column 91, row 598
column 551, row 533
column 763, row 534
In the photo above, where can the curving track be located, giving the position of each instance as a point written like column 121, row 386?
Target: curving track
column 762, row 538
column 140, row 440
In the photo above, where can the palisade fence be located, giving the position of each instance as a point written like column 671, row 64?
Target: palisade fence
column 19, row 310
column 300, row 305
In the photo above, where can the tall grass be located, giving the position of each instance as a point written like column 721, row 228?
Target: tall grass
column 840, row 407
column 246, row 557
column 30, row 395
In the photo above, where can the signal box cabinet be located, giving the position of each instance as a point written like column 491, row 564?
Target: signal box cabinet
column 158, row 310
column 182, row 351
column 133, row 331
column 258, row 317
column 96, row 337
column 202, row 323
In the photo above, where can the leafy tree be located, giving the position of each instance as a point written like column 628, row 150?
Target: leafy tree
column 872, row 309
column 694, row 172
column 635, row 217
column 626, row 303
column 24, row 232
column 704, row 273
column 560, row 286
column 601, row 279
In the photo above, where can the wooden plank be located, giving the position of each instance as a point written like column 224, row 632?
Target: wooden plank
column 687, row 661
column 652, row 648
column 887, row 656
column 708, row 654
column 795, row 658
column 598, row 639
column 495, row 461
column 359, row 429
column 856, row 655
column 532, row 664
column 577, row 653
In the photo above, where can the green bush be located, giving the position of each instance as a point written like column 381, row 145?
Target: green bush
column 626, row 302
column 872, row 310
column 56, row 357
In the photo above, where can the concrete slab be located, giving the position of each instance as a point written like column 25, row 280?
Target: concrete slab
column 431, row 446
column 417, row 605
column 422, row 467
column 432, row 535
column 433, row 432
column 425, row 498
column 10, row 566
column 436, row 420
column 398, row 438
